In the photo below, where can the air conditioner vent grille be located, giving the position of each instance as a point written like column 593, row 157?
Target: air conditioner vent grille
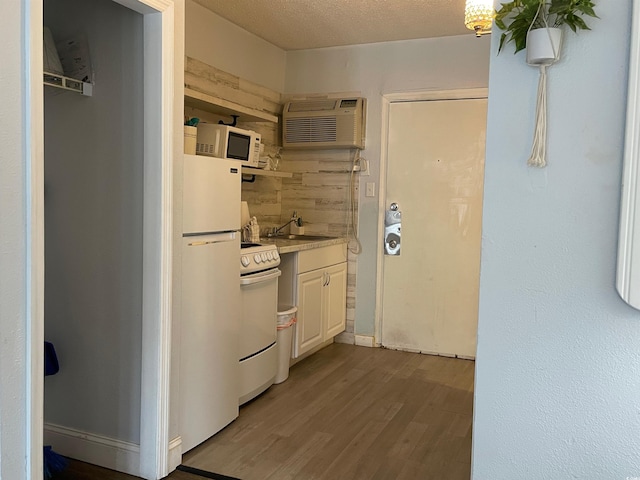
column 312, row 106
column 324, row 123
column 311, row 130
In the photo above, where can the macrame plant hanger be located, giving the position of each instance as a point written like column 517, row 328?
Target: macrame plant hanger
column 538, row 156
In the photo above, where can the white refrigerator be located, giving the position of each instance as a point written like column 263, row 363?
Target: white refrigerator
column 210, row 297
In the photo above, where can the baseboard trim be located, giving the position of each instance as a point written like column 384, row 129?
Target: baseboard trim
column 175, row 453
column 99, row 450
column 428, row 352
column 365, row 341
column 344, row 337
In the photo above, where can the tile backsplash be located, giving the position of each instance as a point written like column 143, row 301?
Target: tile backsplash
column 319, row 192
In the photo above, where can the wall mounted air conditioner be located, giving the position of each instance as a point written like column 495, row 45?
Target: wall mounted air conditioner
column 324, row 123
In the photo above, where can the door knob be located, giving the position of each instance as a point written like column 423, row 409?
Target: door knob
column 392, row 229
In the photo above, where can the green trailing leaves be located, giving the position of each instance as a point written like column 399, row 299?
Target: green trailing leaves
column 516, row 18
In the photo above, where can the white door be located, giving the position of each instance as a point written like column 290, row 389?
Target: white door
column 435, row 170
column 209, row 336
column 211, row 196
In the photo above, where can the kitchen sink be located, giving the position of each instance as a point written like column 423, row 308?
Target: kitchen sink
column 307, row 237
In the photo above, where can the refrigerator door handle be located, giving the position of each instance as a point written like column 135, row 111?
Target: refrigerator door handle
column 201, row 240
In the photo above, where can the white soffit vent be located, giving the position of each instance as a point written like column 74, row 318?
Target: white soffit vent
column 325, row 123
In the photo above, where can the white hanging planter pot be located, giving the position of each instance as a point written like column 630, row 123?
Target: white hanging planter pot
column 543, row 46
column 543, row 50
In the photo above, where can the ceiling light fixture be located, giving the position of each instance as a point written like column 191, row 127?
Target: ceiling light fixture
column 478, row 16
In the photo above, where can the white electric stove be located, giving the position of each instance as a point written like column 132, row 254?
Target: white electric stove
column 258, row 320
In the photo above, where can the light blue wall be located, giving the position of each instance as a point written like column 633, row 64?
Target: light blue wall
column 558, row 361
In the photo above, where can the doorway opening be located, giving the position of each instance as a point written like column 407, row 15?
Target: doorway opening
column 146, row 439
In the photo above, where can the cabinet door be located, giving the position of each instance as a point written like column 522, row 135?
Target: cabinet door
column 336, row 300
column 309, row 329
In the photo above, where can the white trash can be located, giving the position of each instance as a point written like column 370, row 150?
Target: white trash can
column 286, row 321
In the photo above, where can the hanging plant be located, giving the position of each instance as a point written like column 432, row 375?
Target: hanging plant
column 535, row 25
column 518, row 17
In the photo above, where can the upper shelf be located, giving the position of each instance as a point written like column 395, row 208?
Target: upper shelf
column 208, row 103
column 67, row 83
column 265, row 173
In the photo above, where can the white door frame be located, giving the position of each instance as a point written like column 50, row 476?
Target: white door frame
column 387, row 100
column 628, row 274
column 159, row 125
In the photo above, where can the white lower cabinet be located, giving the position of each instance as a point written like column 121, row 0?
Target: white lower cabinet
column 309, row 329
column 336, row 299
column 316, row 281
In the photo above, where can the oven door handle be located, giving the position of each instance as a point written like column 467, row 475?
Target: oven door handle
column 253, row 278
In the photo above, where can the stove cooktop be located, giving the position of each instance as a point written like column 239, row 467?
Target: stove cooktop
column 249, row 245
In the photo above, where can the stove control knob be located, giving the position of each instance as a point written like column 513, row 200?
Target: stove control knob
column 275, row 255
column 263, row 256
column 257, row 258
column 270, row 255
column 245, row 261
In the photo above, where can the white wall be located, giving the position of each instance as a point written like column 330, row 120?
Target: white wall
column 218, row 42
column 14, row 361
column 558, row 363
column 375, row 70
column 93, row 226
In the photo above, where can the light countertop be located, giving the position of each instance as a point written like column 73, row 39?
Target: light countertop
column 286, row 245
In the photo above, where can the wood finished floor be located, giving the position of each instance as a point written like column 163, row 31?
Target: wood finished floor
column 345, row 413
column 84, row 471
column 352, row 413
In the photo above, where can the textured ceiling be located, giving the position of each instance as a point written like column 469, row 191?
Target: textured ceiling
column 301, row 24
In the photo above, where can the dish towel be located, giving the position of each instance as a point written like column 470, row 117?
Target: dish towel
column 251, row 231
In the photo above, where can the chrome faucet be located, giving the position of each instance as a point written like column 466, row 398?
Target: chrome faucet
column 276, row 231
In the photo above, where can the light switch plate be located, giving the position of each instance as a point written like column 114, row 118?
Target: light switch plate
column 371, row 190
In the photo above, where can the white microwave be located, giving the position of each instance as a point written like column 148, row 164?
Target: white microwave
column 225, row 141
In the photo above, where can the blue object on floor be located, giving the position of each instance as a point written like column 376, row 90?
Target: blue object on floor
column 51, row 366
column 52, row 463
